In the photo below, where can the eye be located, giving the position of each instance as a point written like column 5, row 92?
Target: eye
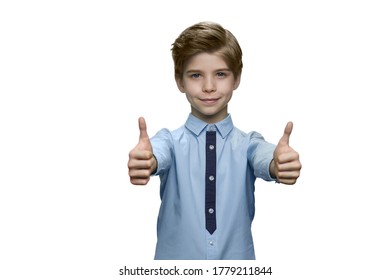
column 221, row 74
column 195, row 75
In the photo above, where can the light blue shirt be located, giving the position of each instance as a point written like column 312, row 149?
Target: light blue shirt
column 241, row 158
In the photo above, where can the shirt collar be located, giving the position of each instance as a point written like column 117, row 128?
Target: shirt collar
column 197, row 126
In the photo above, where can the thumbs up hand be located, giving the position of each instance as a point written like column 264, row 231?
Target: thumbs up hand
column 141, row 163
column 285, row 166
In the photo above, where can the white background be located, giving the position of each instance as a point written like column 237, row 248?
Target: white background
column 76, row 75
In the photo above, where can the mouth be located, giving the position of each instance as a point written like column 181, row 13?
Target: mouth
column 209, row 101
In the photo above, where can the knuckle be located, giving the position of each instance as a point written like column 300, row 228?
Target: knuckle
column 149, row 164
column 132, row 153
column 148, row 155
column 131, row 173
column 134, row 181
column 146, row 173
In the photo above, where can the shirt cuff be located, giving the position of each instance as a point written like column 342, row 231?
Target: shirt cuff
column 160, row 164
column 267, row 175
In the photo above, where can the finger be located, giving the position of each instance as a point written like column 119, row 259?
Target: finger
column 287, row 181
column 138, row 154
column 140, row 164
column 290, row 166
column 139, row 173
column 288, row 156
column 137, row 181
column 288, row 174
column 286, row 135
column 143, row 134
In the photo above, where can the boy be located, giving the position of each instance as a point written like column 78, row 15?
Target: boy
column 208, row 167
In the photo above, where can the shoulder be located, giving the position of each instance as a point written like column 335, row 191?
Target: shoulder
column 166, row 134
column 239, row 139
column 252, row 140
column 255, row 136
column 246, row 136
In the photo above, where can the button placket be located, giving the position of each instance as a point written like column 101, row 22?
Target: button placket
column 210, row 184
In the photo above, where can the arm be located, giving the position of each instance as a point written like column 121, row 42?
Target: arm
column 260, row 156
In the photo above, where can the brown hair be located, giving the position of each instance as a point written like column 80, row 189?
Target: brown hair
column 206, row 37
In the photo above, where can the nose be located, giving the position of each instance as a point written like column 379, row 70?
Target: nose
column 209, row 85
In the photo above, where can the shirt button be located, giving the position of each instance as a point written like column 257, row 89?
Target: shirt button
column 212, row 128
column 211, row 242
column 211, row 210
column 211, row 178
column 211, row 147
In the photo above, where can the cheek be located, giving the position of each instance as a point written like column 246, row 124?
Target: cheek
column 192, row 88
column 226, row 88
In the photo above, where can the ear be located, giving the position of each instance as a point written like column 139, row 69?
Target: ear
column 237, row 81
column 179, row 83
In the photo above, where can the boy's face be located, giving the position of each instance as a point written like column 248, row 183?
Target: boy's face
column 208, row 84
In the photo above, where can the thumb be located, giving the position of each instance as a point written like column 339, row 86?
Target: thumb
column 286, row 135
column 143, row 134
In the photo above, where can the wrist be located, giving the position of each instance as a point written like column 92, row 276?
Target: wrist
column 154, row 165
column 272, row 169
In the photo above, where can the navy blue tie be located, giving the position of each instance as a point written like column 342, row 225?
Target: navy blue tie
column 211, row 164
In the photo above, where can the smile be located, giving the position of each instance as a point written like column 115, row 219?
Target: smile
column 210, row 101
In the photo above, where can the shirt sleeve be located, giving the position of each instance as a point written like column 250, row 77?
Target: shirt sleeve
column 260, row 155
column 162, row 144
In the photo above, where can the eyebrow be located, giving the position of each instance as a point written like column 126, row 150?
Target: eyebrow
column 218, row 70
